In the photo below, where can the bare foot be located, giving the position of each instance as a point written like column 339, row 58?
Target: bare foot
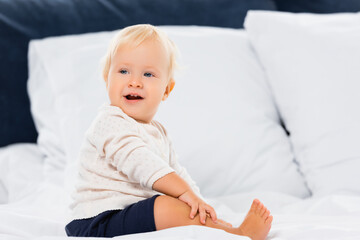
column 257, row 222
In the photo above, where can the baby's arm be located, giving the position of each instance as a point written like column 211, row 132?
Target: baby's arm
column 119, row 143
column 173, row 185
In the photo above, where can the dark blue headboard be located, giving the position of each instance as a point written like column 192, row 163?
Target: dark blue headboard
column 318, row 6
column 23, row 20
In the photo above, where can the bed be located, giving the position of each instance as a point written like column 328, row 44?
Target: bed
column 271, row 85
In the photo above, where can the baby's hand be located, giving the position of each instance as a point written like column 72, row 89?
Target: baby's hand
column 198, row 205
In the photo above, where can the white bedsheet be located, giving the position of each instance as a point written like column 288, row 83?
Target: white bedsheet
column 39, row 209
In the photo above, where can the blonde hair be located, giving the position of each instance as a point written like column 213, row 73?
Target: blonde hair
column 135, row 35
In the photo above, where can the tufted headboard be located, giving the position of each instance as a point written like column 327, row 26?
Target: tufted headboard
column 23, row 20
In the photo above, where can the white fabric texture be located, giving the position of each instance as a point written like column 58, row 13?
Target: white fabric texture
column 119, row 162
column 312, row 64
column 221, row 101
column 45, row 118
column 19, row 163
column 41, row 212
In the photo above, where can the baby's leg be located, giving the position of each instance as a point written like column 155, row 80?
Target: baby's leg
column 171, row 212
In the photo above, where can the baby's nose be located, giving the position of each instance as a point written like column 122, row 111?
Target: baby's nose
column 135, row 83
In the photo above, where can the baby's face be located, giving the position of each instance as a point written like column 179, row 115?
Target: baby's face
column 138, row 80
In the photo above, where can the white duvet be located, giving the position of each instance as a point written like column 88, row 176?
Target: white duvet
column 38, row 206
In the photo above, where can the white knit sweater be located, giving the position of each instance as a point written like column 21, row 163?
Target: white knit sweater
column 119, row 162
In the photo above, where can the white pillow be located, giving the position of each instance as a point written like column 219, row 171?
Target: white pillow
column 220, row 116
column 21, row 167
column 46, row 121
column 313, row 66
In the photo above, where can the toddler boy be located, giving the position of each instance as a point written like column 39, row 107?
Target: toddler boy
column 129, row 178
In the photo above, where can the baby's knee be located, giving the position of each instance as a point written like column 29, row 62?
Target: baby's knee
column 168, row 203
column 161, row 200
column 171, row 212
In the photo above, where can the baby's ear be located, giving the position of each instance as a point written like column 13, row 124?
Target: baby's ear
column 168, row 89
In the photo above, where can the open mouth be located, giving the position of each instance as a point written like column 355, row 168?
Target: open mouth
column 133, row 97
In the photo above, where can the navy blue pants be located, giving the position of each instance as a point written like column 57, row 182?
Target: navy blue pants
column 136, row 218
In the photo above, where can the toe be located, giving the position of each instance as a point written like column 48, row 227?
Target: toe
column 269, row 219
column 266, row 214
column 259, row 208
column 263, row 210
column 255, row 204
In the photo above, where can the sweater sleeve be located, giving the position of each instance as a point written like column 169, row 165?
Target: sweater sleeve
column 118, row 141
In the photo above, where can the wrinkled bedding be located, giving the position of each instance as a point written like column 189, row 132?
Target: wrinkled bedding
column 36, row 207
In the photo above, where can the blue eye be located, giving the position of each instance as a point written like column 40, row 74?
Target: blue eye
column 148, row 74
column 123, row 72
